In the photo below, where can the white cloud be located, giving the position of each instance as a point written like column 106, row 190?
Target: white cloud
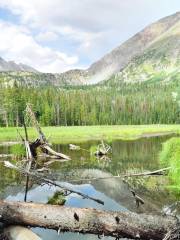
column 93, row 26
column 47, row 36
column 16, row 43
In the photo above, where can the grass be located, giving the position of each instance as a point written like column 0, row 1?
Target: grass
column 77, row 134
column 170, row 156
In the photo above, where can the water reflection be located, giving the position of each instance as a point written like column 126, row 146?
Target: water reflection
column 126, row 156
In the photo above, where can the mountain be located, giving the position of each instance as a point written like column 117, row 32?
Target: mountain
column 158, row 42
column 160, row 61
column 152, row 54
column 160, row 39
column 36, row 79
column 12, row 66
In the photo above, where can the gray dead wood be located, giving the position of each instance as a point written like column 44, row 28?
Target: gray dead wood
column 86, row 220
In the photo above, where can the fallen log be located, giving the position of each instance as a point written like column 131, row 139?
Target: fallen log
column 54, row 153
column 86, row 220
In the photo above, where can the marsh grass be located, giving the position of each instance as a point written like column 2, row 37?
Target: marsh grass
column 18, row 150
column 76, row 134
column 170, row 156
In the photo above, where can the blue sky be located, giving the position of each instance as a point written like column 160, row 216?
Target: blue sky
column 58, row 35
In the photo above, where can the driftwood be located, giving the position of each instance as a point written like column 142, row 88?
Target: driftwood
column 86, row 220
column 42, row 140
column 102, row 149
column 54, row 153
column 74, row 147
column 140, row 174
column 32, row 116
column 6, row 155
column 40, row 179
column 29, row 158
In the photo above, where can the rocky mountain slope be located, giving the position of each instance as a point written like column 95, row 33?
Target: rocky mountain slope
column 161, row 37
column 159, row 42
column 152, row 54
column 12, row 66
column 33, row 79
column 160, row 61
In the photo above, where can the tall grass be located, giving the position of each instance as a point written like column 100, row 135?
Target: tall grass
column 77, row 134
column 18, row 150
column 170, row 156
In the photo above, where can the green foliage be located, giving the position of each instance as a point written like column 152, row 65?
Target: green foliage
column 18, row 150
column 155, row 101
column 57, row 199
column 170, row 156
column 93, row 149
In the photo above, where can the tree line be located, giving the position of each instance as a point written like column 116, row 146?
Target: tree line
column 140, row 103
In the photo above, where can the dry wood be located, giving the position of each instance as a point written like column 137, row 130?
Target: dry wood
column 102, row 149
column 148, row 173
column 29, row 158
column 74, row 147
column 40, row 179
column 54, row 153
column 42, row 141
column 6, row 155
column 141, row 174
column 30, row 112
column 86, row 220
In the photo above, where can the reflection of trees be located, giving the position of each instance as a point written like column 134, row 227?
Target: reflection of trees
column 127, row 156
column 139, row 154
column 8, row 177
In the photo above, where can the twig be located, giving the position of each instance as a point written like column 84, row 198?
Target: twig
column 143, row 174
column 51, row 182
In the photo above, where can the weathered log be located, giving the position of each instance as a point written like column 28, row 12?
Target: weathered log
column 54, row 153
column 86, row 220
column 33, row 146
column 30, row 112
column 42, row 141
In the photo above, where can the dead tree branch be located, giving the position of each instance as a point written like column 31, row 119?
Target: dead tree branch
column 86, row 220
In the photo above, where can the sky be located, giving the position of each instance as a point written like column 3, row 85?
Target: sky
column 58, row 35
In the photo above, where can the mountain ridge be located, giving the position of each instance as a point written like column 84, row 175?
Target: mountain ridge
column 12, row 66
column 117, row 59
column 137, row 59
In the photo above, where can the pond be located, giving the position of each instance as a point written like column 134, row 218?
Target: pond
column 127, row 156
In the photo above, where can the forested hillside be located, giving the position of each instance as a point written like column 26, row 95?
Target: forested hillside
column 145, row 88
column 141, row 103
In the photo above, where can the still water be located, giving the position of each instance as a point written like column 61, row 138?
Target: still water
column 127, row 156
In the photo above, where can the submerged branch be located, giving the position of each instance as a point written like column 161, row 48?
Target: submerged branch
column 142, row 174
column 41, row 179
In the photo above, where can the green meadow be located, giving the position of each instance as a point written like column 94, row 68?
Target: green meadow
column 77, row 134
